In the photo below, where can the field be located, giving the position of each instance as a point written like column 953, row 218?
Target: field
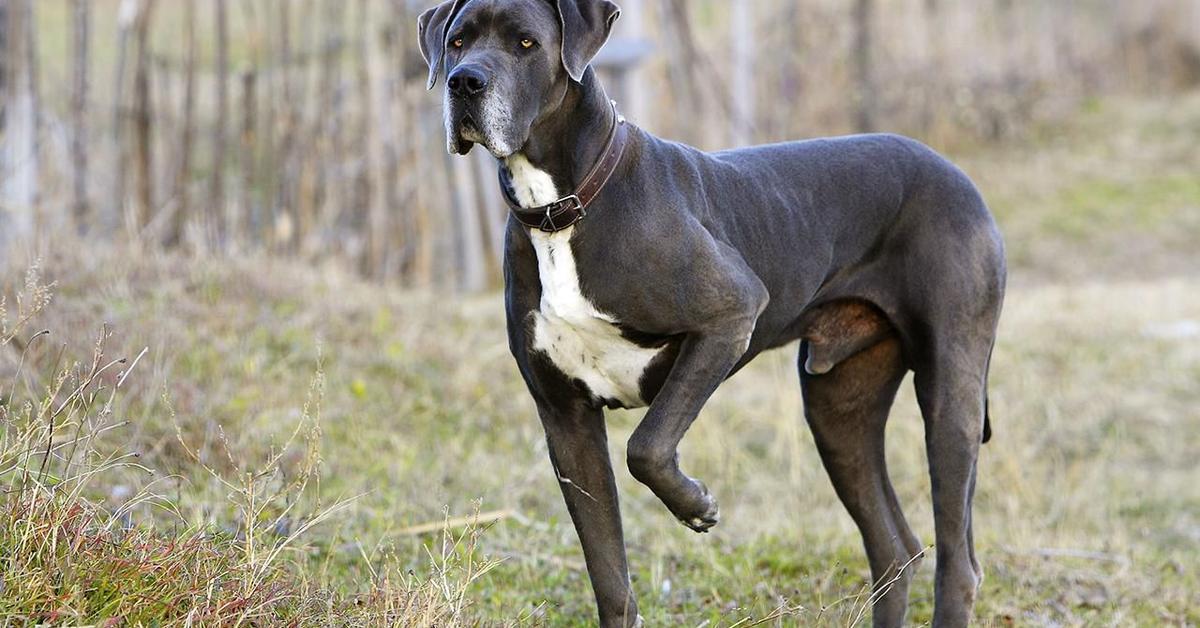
column 340, row 452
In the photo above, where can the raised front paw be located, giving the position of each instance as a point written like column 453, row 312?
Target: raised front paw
column 704, row 513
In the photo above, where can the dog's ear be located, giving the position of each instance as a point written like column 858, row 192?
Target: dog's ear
column 586, row 25
column 431, row 33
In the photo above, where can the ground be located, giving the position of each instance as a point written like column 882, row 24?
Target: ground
column 408, row 405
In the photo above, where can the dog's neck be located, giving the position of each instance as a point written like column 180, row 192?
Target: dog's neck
column 566, row 144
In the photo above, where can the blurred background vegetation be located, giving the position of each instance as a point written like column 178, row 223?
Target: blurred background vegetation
column 277, row 389
column 301, row 128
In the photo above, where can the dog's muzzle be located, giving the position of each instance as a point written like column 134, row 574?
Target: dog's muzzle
column 474, row 114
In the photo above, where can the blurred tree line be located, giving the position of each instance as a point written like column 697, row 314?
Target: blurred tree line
column 302, row 128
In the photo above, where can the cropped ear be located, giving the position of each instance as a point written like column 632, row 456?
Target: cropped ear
column 586, row 25
column 431, row 33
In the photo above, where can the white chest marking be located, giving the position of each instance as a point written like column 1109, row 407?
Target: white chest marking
column 582, row 341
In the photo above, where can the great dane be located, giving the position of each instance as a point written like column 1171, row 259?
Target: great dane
column 643, row 272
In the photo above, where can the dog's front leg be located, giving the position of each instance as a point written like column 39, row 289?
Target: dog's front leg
column 578, row 447
column 704, row 361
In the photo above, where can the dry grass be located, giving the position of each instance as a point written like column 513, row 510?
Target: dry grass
column 90, row 534
column 1088, row 511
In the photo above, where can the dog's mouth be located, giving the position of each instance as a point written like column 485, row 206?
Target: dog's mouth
column 468, row 131
column 461, row 135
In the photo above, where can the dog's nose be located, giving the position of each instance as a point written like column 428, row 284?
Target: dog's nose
column 467, row 81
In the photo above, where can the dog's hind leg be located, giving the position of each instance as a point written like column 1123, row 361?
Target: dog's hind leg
column 950, row 391
column 847, row 409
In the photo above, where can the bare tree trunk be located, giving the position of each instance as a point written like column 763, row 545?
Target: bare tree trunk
column 684, row 90
column 127, row 16
column 743, row 101
column 79, row 107
column 5, row 71
column 33, row 90
column 307, row 186
column 6, row 100
column 19, row 142
column 332, row 181
column 863, row 70
column 183, row 206
column 248, row 226
column 326, row 121
column 470, row 263
column 285, row 206
column 428, row 178
column 216, row 186
column 384, row 203
column 142, row 145
column 361, row 190
column 492, row 213
column 633, row 22
column 931, row 34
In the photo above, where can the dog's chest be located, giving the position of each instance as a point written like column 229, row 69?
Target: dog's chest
column 582, row 341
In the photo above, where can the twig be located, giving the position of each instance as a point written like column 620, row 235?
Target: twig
column 566, row 480
column 883, row 588
column 458, row 522
column 1060, row 552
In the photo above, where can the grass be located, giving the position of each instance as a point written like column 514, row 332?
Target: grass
column 328, row 451
column 88, row 533
column 1112, row 191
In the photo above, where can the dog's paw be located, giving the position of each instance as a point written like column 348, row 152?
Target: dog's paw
column 708, row 514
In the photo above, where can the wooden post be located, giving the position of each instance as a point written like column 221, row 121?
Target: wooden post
column 285, row 206
column 363, row 152
column 428, row 177
column 18, row 143
column 250, row 224
column 308, row 186
column 742, row 96
column 382, row 236
column 175, row 228
column 142, row 148
column 127, row 16
column 863, row 70
column 216, row 186
column 633, row 15
column 467, row 234
column 492, row 213
column 33, row 91
column 6, row 99
column 82, row 20
column 332, row 184
column 685, row 97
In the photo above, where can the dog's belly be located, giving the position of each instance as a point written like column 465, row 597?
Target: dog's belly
column 583, row 342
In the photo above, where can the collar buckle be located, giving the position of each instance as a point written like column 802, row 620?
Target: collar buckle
column 557, row 209
column 569, row 202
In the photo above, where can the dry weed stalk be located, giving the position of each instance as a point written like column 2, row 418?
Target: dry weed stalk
column 265, row 499
column 69, row 555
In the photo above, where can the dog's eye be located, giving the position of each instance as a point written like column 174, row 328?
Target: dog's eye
column 457, row 43
column 527, row 43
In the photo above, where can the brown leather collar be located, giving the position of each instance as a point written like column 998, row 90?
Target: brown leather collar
column 570, row 209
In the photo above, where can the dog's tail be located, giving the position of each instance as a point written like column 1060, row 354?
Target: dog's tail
column 987, row 417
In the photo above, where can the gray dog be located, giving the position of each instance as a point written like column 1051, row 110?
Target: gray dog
column 641, row 272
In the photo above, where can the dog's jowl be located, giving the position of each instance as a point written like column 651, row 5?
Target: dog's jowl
column 641, row 272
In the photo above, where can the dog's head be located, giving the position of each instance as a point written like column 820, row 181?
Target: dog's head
column 508, row 63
